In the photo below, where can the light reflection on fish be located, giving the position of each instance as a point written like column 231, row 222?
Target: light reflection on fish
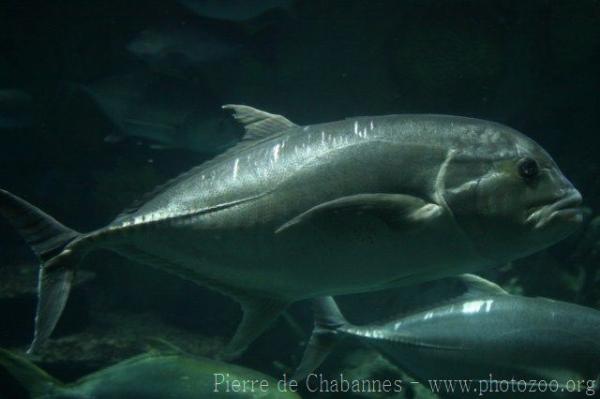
column 295, row 212
column 488, row 335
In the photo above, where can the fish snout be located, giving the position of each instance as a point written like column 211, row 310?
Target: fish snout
column 569, row 199
column 566, row 208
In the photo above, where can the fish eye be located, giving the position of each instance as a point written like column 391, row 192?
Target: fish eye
column 528, row 168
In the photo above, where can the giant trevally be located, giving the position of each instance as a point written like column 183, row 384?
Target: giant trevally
column 533, row 346
column 294, row 212
column 152, row 375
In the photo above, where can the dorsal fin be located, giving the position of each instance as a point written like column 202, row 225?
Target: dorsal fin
column 258, row 124
column 162, row 346
column 478, row 286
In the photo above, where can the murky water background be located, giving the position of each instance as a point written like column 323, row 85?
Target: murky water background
column 102, row 101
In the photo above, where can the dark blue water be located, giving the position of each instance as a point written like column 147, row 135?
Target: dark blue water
column 108, row 99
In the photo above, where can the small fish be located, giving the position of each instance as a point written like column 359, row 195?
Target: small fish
column 486, row 335
column 234, row 10
column 295, row 212
column 149, row 376
column 16, row 109
column 167, row 112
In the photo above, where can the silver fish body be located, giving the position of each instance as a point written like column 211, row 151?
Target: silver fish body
column 230, row 213
column 486, row 339
column 361, row 204
column 503, row 336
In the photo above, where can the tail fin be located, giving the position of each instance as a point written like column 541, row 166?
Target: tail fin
column 37, row 382
column 48, row 239
column 325, row 334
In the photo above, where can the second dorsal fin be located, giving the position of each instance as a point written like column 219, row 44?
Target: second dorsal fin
column 258, row 124
column 476, row 286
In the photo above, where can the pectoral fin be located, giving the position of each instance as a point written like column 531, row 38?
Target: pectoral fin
column 398, row 211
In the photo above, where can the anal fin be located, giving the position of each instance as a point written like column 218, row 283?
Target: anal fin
column 259, row 311
column 326, row 333
column 259, row 314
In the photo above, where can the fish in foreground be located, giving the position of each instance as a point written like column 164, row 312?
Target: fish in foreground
column 485, row 335
column 151, row 375
column 295, row 212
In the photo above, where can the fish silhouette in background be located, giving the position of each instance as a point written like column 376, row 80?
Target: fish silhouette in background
column 167, row 112
column 186, row 45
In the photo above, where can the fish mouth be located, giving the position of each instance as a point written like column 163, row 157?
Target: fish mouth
column 566, row 209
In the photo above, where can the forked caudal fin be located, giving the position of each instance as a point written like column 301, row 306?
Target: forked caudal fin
column 325, row 334
column 48, row 239
column 35, row 380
